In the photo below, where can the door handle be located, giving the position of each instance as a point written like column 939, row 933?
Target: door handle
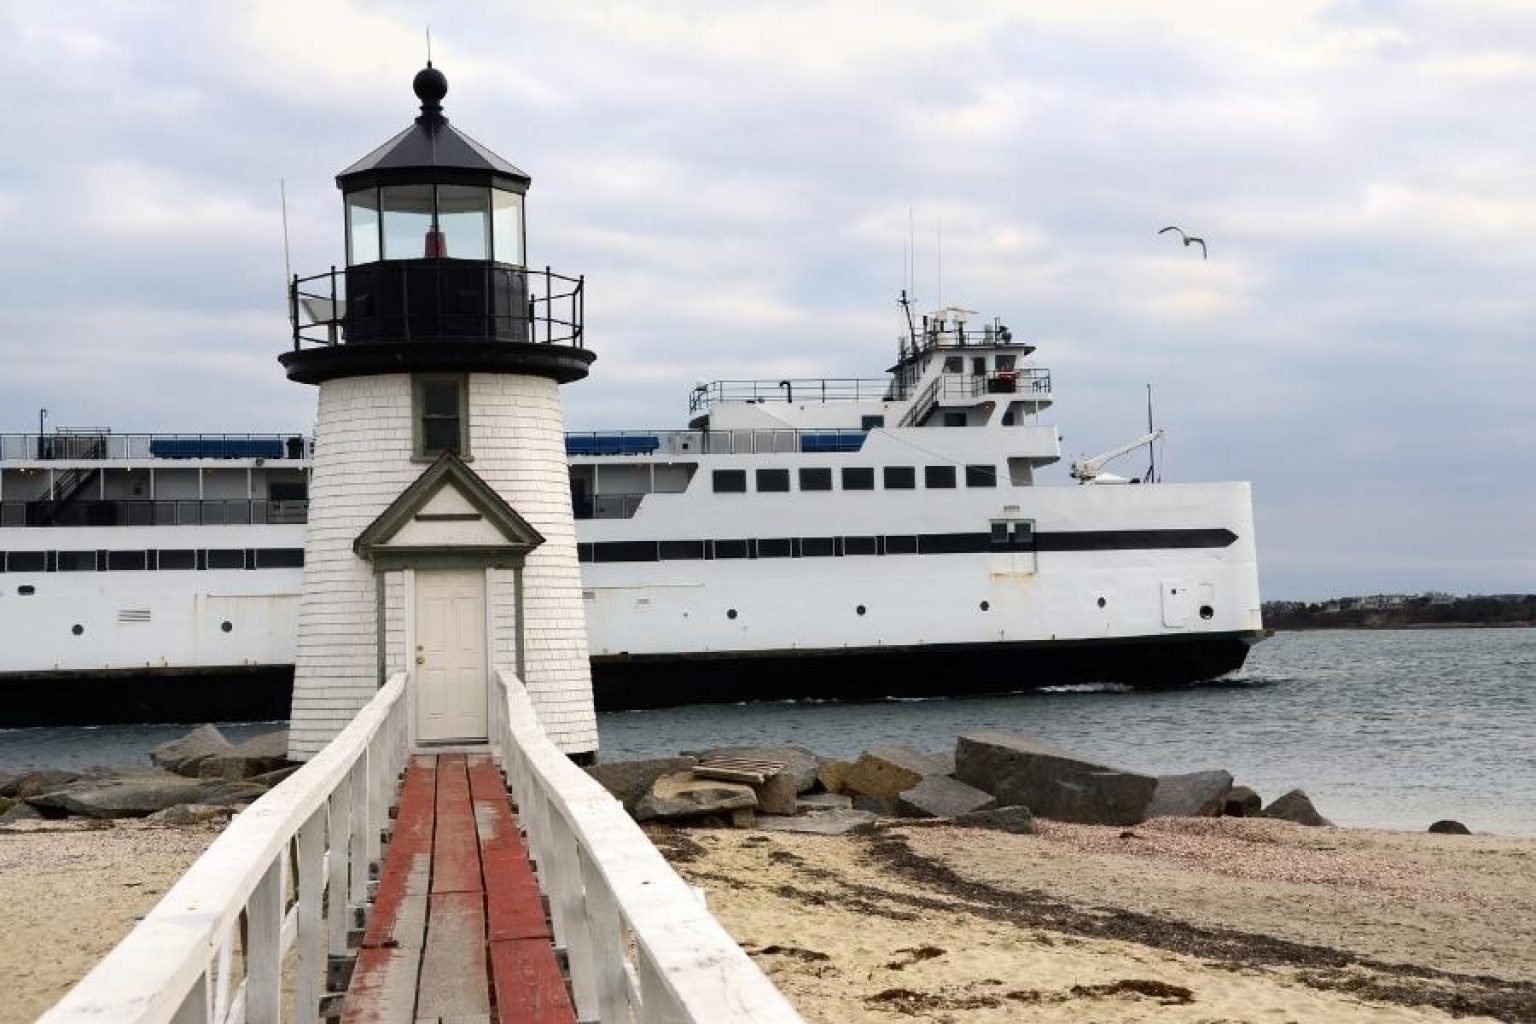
column 421, row 659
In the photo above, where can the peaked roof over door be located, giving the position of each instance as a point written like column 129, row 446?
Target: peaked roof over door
column 448, row 518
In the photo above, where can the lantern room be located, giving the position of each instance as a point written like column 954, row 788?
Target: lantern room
column 436, row 274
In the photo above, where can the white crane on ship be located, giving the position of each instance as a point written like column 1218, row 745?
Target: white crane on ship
column 1091, row 470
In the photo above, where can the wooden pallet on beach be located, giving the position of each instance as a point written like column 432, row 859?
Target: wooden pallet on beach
column 738, row 769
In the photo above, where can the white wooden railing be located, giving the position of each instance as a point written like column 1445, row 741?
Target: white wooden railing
column 289, row 874
column 641, row 944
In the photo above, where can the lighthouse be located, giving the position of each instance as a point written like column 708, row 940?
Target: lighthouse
column 440, row 540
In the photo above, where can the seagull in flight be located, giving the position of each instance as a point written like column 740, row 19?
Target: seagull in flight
column 1188, row 240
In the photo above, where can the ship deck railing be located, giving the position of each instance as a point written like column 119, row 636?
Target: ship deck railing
column 167, row 512
column 610, row 443
column 794, row 389
column 262, row 927
column 102, row 445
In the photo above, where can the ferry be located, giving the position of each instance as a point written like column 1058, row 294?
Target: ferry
column 800, row 538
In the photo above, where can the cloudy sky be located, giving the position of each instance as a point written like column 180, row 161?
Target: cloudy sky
column 736, row 182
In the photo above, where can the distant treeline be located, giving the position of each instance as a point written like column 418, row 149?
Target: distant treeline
column 1401, row 611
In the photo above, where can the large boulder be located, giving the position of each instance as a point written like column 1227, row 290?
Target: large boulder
column 1294, row 806
column 1017, row 820
column 1450, row 827
column 628, row 781
column 1242, row 802
column 939, row 796
column 809, row 803
column 139, row 796
column 20, row 811
column 1021, row 770
column 186, row 755
column 833, row 775
column 778, row 793
column 30, row 784
column 256, row 756
column 1196, row 795
column 681, row 795
column 886, row 772
column 799, row 762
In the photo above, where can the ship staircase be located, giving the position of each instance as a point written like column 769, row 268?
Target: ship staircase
column 923, row 405
column 379, row 883
column 82, row 445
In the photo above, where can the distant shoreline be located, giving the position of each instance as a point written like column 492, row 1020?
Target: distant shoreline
column 1313, row 627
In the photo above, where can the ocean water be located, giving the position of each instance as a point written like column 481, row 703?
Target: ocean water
column 1391, row 729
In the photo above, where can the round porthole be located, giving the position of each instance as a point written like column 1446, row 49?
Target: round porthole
column 1207, row 612
column 985, row 606
column 1102, row 602
column 860, row 609
column 77, row 629
column 226, row 625
column 730, row 613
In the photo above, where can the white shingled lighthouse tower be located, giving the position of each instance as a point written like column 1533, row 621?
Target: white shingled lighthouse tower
column 440, row 535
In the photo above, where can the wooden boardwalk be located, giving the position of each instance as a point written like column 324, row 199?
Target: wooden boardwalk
column 458, row 931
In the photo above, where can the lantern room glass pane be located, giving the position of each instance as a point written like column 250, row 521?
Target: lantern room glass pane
column 507, row 226
column 464, row 218
column 362, row 226
column 408, row 231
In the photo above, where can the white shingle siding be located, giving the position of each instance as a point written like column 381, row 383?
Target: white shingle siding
column 362, row 461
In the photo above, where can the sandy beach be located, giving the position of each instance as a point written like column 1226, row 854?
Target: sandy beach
column 72, row 890
column 1205, row 921
column 1196, row 921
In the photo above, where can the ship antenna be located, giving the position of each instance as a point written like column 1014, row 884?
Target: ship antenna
column 429, row 46
column 282, row 192
column 1151, row 449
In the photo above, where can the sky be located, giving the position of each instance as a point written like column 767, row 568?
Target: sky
column 741, row 185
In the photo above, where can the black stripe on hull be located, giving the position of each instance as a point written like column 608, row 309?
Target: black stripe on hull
column 653, row 681
column 238, row 694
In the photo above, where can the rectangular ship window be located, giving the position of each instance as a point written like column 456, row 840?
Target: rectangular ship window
column 680, row 549
column 120, row 561
column 173, row 558
column 730, row 481
column 25, row 561
column 859, row 546
column 818, row 547
column 76, row 561
column 773, row 480
column 279, row 558
column 775, row 547
column 226, row 558
column 871, row 422
column 999, row 535
column 938, row 476
column 981, row 476
column 732, row 549
column 858, row 478
column 900, row 478
column 815, row 478
column 901, row 545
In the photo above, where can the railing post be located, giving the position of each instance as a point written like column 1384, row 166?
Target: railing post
column 608, row 945
column 338, row 831
column 310, row 970
column 263, row 952
column 569, row 902
column 357, row 862
column 194, row 1008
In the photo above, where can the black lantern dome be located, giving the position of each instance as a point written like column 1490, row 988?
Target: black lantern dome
column 436, row 275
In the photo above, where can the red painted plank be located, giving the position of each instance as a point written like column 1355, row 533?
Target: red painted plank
column 529, row 989
column 383, row 987
column 453, row 980
column 395, row 919
column 513, row 908
column 455, row 849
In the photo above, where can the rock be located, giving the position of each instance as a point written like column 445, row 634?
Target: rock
column 939, row 796
column 183, row 756
column 812, row 802
column 1196, row 795
column 801, row 763
column 1020, row 770
column 256, row 756
column 680, row 795
column 834, row 822
column 743, row 817
column 191, row 814
column 885, row 807
column 1445, row 826
column 30, row 784
column 1242, row 802
column 943, row 761
column 20, row 812
column 270, row 779
column 138, row 796
column 885, row 772
column 833, row 774
column 628, row 781
column 778, row 794
column 1017, row 820
column 1294, row 806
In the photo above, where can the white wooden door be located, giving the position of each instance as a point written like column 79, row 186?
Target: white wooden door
column 450, row 655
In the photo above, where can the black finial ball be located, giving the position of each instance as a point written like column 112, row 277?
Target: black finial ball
column 430, row 85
